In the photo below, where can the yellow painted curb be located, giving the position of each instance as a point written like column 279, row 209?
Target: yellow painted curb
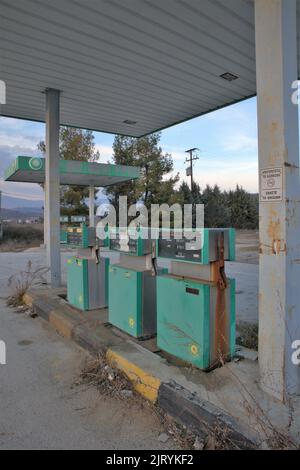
column 28, row 300
column 143, row 382
column 61, row 324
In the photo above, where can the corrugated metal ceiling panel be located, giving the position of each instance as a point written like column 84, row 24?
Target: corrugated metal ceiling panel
column 150, row 61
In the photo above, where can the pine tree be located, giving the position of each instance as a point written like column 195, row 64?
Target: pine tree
column 75, row 144
column 216, row 210
column 244, row 209
column 156, row 184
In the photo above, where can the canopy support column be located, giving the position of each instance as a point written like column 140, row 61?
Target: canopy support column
column 52, row 199
column 279, row 273
column 45, row 221
column 92, row 206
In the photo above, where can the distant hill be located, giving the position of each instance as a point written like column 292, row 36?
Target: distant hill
column 22, row 213
column 17, row 208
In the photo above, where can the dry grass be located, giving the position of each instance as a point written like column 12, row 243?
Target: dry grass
column 247, row 335
column 271, row 437
column 112, row 382
column 219, row 438
column 108, row 380
column 20, row 237
column 21, row 282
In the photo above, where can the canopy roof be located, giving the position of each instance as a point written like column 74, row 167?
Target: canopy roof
column 32, row 170
column 127, row 67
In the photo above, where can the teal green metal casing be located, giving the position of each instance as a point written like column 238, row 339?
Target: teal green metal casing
column 63, row 237
column 185, row 319
column 77, row 284
column 125, row 300
column 72, row 172
column 132, row 300
column 232, row 244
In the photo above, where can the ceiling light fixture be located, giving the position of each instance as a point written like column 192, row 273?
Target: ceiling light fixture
column 129, row 122
column 230, row 77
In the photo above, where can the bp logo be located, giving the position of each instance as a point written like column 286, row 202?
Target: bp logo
column 35, row 163
column 131, row 322
column 194, row 350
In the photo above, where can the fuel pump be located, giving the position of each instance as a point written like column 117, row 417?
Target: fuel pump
column 195, row 299
column 132, row 283
column 87, row 271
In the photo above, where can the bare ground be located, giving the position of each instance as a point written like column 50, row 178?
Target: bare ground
column 247, row 246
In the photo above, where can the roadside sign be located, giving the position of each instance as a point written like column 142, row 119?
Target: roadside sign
column 271, row 182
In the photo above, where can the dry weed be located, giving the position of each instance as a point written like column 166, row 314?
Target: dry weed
column 112, row 382
column 22, row 281
column 247, row 335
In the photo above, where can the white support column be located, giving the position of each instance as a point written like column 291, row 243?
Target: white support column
column 279, row 277
column 45, row 220
column 52, row 199
column 92, row 206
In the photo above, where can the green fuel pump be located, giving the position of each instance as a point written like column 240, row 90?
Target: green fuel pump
column 132, row 283
column 87, row 271
column 195, row 299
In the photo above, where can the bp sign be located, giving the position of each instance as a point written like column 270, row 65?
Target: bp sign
column 36, row 163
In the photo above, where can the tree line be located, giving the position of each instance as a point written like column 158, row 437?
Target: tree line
column 235, row 208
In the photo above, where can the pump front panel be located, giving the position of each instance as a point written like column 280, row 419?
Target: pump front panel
column 87, row 282
column 125, row 300
column 195, row 321
column 77, row 283
column 183, row 319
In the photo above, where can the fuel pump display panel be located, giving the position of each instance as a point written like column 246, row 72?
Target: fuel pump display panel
column 126, row 242
column 203, row 248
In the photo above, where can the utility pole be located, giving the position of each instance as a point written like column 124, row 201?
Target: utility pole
column 192, row 157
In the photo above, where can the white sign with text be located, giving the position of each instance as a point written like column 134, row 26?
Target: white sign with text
column 271, row 185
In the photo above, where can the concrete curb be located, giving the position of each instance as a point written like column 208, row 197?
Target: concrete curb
column 187, row 409
column 144, row 383
column 174, row 399
column 61, row 324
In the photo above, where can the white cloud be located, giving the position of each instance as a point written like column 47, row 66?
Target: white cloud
column 239, row 113
column 29, row 191
column 18, row 140
column 11, row 123
column 226, row 171
column 106, row 152
column 240, row 142
column 227, row 176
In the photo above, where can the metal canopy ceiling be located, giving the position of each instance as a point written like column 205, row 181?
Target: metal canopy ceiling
column 32, row 170
column 152, row 62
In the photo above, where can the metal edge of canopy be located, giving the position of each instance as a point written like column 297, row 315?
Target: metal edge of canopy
column 116, row 174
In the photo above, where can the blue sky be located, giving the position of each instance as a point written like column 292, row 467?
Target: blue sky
column 227, row 139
